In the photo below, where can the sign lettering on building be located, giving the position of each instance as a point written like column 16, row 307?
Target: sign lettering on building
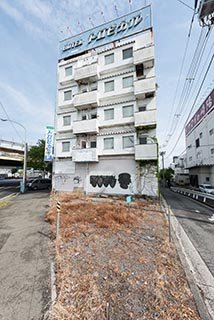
column 201, row 112
column 116, row 29
column 49, row 136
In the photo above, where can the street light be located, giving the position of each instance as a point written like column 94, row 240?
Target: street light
column 25, row 153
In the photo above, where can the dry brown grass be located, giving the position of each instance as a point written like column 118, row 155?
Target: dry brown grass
column 109, row 253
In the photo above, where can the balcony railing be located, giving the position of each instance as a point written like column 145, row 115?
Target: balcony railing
column 145, row 118
column 146, row 151
column 145, row 56
column 144, row 87
column 85, row 126
column 89, row 72
column 85, row 155
column 88, row 98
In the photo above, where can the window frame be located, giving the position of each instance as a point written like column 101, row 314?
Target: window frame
column 108, row 82
column 128, row 137
column 127, row 86
column 70, row 95
column 106, row 112
column 130, row 49
column 64, row 143
column 64, row 122
column 68, row 68
column 128, row 106
column 107, row 56
column 108, row 139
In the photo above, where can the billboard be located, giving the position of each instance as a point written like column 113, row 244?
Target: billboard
column 206, row 107
column 116, row 29
column 49, row 137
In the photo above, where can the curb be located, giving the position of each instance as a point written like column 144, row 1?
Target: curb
column 200, row 279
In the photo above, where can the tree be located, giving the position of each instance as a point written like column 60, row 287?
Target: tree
column 167, row 174
column 35, row 157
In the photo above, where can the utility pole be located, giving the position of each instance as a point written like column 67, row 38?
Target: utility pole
column 162, row 153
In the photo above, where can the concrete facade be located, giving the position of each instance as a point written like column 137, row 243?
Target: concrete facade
column 105, row 119
column 200, row 144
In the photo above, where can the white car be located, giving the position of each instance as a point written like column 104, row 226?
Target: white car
column 206, row 188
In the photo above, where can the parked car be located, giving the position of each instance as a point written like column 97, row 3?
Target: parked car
column 39, row 184
column 206, row 188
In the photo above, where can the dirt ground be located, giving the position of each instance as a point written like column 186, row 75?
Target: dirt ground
column 115, row 262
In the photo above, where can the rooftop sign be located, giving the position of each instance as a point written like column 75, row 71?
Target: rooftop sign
column 202, row 111
column 116, row 29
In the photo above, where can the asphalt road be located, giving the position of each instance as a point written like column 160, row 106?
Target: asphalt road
column 193, row 216
column 24, row 258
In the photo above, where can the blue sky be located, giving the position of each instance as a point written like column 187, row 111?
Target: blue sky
column 30, row 31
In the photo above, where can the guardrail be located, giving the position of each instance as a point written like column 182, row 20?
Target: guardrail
column 196, row 195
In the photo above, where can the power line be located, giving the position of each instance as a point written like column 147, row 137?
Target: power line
column 185, row 4
column 208, row 68
column 9, row 120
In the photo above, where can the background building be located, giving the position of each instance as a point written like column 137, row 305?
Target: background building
column 105, row 119
column 200, row 144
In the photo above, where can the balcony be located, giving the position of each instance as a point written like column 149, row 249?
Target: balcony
column 88, row 98
column 145, row 118
column 144, row 56
column 85, row 126
column 85, row 155
column 146, row 151
column 88, row 72
column 144, row 88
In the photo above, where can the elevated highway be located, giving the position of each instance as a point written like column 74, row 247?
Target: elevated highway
column 11, row 153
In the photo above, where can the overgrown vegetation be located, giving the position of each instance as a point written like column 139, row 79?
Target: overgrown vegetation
column 115, row 262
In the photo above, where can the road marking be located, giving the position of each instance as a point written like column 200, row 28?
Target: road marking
column 9, row 196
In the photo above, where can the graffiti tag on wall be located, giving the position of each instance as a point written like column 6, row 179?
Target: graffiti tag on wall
column 124, row 180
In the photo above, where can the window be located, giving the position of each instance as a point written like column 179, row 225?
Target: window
column 83, row 144
column 142, row 140
column 128, row 111
column 212, row 151
column 93, row 86
column 108, row 143
column 197, row 143
column 139, row 70
column 142, row 108
column 93, row 144
column 93, row 116
column 211, row 132
column 127, row 53
column 109, row 114
column 207, row 179
column 84, row 117
column 128, row 82
column 67, row 95
column 68, row 71
column 201, row 135
column 66, row 121
column 190, row 158
column 128, row 142
column 66, row 146
column 109, row 86
column 109, row 58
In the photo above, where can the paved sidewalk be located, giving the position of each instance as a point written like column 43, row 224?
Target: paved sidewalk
column 24, row 258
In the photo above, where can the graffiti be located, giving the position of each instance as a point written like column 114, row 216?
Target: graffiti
column 77, row 179
column 103, row 181
column 62, row 179
column 124, row 180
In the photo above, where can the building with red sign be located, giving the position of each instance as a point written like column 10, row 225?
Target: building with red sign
column 200, row 143
column 105, row 117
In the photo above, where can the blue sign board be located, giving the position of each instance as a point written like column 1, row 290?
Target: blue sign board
column 116, row 29
column 128, row 199
column 48, row 156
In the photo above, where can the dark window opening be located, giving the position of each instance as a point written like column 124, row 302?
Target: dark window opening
column 93, row 144
column 142, row 140
column 142, row 108
column 197, row 143
column 83, row 144
column 139, row 70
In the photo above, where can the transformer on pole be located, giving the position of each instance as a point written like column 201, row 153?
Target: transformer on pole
column 205, row 12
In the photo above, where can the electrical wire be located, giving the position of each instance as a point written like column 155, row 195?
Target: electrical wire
column 208, row 68
column 10, row 121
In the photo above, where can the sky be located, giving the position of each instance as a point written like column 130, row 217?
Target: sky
column 30, row 32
